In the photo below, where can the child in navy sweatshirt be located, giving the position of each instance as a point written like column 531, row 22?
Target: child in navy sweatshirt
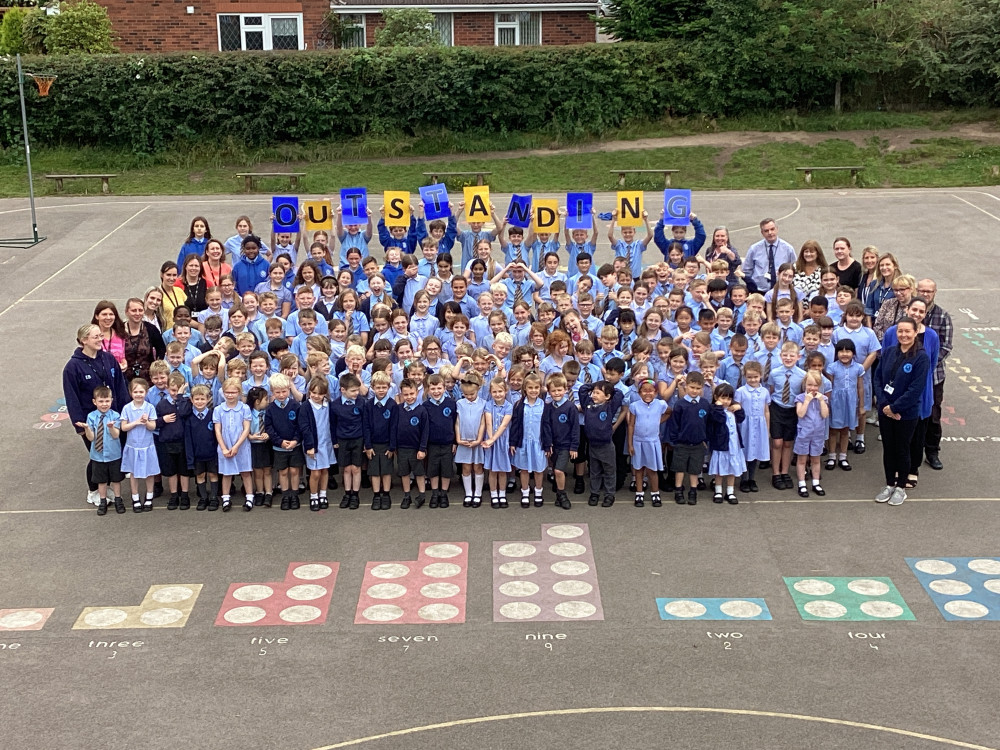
column 441, row 440
column 600, row 403
column 381, row 420
column 411, row 441
column 170, row 414
column 201, row 448
column 687, row 432
column 281, row 423
column 347, row 430
column 560, row 433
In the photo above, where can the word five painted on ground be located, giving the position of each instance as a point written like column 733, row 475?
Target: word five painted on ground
column 431, row 589
column 842, row 599
column 713, row 609
column 552, row 579
column 164, row 606
column 302, row 598
column 962, row 588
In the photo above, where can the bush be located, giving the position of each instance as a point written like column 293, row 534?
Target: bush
column 35, row 24
column 82, row 26
column 12, row 32
column 407, row 27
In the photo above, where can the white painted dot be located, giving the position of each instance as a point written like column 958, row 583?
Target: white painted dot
column 740, row 608
column 935, row 567
column 517, row 549
column 253, row 593
column 243, row 615
column 684, row 608
column 443, row 550
column 300, row 613
column 965, row 608
column 102, row 618
column 23, row 618
column 565, row 531
column 390, row 570
column 868, row 587
column 386, row 591
column 572, row 588
column 813, row 587
column 993, row 584
column 518, row 568
column 172, row 594
column 383, row 613
column 442, row 570
column 826, row 609
column 881, row 608
column 440, row 590
column 569, row 568
column 520, row 610
column 575, row 610
column 950, row 587
column 438, row 612
column 160, row 617
column 312, row 572
column 518, row 588
column 306, row 592
column 567, row 549
column 985, row 566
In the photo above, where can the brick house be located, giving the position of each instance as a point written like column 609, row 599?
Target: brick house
column 213, row 25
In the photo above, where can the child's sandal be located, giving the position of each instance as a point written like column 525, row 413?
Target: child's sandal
column 137, row 506
column 844, row 465
column 831, row 463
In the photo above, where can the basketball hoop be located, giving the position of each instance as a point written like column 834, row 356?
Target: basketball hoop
column 44, row 82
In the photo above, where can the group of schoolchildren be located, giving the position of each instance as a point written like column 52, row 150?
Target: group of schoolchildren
column 295, row 361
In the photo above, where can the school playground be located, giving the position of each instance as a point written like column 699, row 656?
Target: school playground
column 779, row 623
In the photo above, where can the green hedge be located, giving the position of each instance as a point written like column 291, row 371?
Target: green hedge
column 148, row 102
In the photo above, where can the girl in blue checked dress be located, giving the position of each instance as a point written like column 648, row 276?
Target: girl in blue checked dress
column 499, row 413
column 525, row 439
column 139, row 455
column 846, row 402
column 317, row 442
column 644, row 418
column 727, row 456
column 232, row 428
column 470, row 426
column 754, row 399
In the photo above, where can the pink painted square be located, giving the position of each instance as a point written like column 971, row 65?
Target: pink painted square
column 31, row 618
column 302, row 598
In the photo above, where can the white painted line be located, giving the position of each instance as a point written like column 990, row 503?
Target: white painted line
column 981, row 210
column 46, row 281
column 95, row 299
column 798, row 205
column 194, row 199
column 50, row 510
column 817, row 501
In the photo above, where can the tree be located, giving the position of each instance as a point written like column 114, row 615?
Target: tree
column 653, row 20
column 82, row 26
column 12, row 32
column 407, row 27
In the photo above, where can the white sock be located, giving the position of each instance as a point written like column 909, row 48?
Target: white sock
column 225, row 498
column 843, row 456
column 538, row 492
column 134, row 497
column 149, row 495
column 467, row 482
column 478, row 485
column 322, row 493
column 729, row 489
column 313, row 496
column 525, row 493
column 802, row 483
column 861, row 439
column 815, row 482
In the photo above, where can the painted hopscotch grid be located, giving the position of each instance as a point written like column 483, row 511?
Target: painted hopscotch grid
column 431, row 589
column 302, row 598
column 713, row 609
column 553, row 579
column 854, row 599
column 164, row 606
column 29, row 618
column 962, row 588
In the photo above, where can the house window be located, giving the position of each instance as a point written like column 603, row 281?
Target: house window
column 353, row 30
column 245, row 31
column 444, row 25
column 518, row 29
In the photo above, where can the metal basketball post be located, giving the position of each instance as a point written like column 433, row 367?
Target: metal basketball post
column 25, row 242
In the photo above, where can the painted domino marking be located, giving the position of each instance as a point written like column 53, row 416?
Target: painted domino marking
column 962, row 588
column 31, row 618
column 302, row 598
column 854, row 599
column 431, row 589
column 550, row 580
column 713, row 609
column 164, row 606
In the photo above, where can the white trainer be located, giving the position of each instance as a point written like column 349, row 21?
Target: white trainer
column 885, row 494
column 93, row 498
column 898, row 496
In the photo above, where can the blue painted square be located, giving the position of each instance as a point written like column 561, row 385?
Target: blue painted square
column 962, row 588
column 713, row 609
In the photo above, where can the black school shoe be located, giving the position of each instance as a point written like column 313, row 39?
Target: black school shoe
column 789, row 484
column 609, row 500
column 655, row 499
column 386, row 501
column 594, row 499
column 355, row 501
column 578, row 486
column 818, row 490
column 859, row 447
column 248, row 505
column 227, row 505
column 185, row 501
column 434, row 503
column 345, row 501
column 803, row 491
column 744, row 485
column 293, row 501
column 258, row 499
column 119, row 505
column 692, row 497
column 286, row 502
column 407, row 501
column 679, row 496
column 752, row 484
column 443, row 502
column 562, row 501
column 717, row 497
column 174, row 502
column 732, row 499
column 777, row 481
column 213, row 503
column 102, row 507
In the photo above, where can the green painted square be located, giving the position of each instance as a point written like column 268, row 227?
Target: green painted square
column 848, row 599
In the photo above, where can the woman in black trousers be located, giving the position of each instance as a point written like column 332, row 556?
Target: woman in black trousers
column 899, row 387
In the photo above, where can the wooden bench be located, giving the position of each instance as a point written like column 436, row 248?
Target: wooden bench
column 250, row 178
column 105, row 187
column 809, row 172
column 665, row 172
column 480, row 176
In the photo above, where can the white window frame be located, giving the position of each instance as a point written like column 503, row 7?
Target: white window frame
column 264, row 27
column 363, row 25
column 516, row 25
column 451, row 27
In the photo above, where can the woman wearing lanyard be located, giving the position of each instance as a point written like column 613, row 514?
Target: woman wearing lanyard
column 193, row 284
column 899, row 385
column 173, row 296
column 143, row 342
column 112, row 330
column 89, row 367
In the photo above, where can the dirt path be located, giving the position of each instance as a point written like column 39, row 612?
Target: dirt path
column 731, row 141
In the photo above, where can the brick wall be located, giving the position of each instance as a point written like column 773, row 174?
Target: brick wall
column 474, row 29
column 568, row 28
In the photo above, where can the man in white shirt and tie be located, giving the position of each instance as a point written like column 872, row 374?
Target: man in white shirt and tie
column 764, row 258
